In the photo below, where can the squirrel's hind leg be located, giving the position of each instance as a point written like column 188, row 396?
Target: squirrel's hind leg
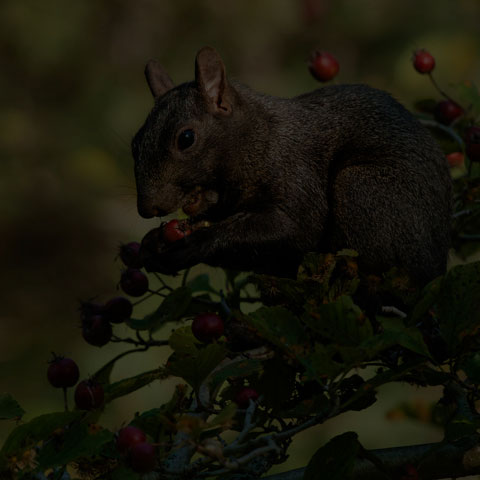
column 388, row 215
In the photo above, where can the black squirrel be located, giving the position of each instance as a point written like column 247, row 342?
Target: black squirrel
column 344, row 166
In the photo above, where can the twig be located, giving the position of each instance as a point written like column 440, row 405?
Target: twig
column 248, row 424
column 142, row 342
column 439, row 126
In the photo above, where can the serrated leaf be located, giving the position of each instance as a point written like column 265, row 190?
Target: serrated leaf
column 37, row 429
column 335, row 460
column 340, row 321
column 173, row 307
column 279, row 326
column 319, row 364
column 129, row 385
column 195, row 368
column 9, row 407
column 183, row 341
column 458, row 305
column 396, row 333
column 78, row 441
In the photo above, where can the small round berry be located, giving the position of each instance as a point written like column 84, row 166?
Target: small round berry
column 323, row 66
column 243, row 397
column 130, row 255
column 118, row 309
column 96, row 330
column 423, row 61
column 447, row 111
column 129, row 436
column 63, row 372
column 142, row 457
column 134, row 282
column 175, row 230
column 207, row 327
column 472, row 143
column 455, row 159
column 89, row 395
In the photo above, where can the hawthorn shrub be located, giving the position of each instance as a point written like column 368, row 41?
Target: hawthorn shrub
column 317, row 346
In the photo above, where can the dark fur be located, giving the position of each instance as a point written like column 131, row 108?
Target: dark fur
column 342, row 166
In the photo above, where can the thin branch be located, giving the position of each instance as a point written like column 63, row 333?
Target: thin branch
column 444, row 128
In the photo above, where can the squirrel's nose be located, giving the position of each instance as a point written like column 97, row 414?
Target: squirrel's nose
column 147, row 209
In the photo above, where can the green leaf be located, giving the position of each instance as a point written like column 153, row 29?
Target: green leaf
column 183, row 341
column 201, row 283
column 279, row 326
column 319, row 364
column 9, row 407
column 340, row 321
column 196, row 367
column 37, row 429
column 173, row 307
column 335, row 460
column 458, row 305
column 396, row 333
column 78, row 441
column 129, row 385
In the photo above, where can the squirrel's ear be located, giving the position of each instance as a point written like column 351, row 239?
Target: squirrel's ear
column 157, row 79
column 212, row 81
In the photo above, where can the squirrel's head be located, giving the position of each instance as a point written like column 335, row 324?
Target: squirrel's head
column 178, row 151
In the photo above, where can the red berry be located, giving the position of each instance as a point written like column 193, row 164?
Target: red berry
column 129, row 436
column 242, row 398
column 142, row 457
column 423, row 61
column 472, row 143
column 207, row 327
column 96, row 330
column 134, row 282
column 63, row 372
column 447, row 111
column 118, row 309
column 89, row 395
column 130, row 255
column 175, row 230
column 455, row 159
column 323, row 66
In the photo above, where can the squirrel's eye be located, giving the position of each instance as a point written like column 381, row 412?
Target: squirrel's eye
column 186, row 139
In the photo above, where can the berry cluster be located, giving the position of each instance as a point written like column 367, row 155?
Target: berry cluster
column 448, row 112
column 64, row 373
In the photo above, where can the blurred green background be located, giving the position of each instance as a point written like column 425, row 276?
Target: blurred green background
column 72, row 96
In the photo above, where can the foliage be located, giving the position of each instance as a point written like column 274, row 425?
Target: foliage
column 316, row 347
